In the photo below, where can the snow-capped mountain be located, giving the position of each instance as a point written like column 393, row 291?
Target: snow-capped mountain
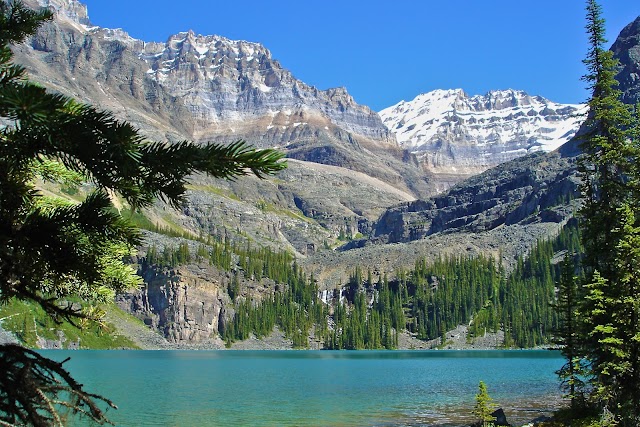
column 460, row 134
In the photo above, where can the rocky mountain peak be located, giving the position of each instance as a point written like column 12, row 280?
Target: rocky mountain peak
column 231, row 85
column 503, row 99
column 72, row 10
column 211, row 57
column 203, row 47
column 207, row 87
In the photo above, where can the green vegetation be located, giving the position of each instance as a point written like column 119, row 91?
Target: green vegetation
column 56, row 253
column 360, row 325
column 170, row 256
column 28, row 321
column 484, row 406
column 585, row 417
column 436, row 297
column 599, row 308
column 293, row 306
column 137, row 218
column 368, row 313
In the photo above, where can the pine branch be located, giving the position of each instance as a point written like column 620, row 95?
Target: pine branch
column 18, row 22
column 31, row 386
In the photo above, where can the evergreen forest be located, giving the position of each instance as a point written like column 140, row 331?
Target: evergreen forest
column 371, row 309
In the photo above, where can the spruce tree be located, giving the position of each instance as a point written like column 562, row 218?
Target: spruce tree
column 609, row 216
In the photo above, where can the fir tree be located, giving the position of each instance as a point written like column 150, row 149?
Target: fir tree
column 610, row 234
column 484, row 406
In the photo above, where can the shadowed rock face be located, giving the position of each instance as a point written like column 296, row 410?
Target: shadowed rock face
column 627, row 49
column 535, row 188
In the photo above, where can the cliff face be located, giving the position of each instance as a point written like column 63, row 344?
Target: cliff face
column 627, row 49
column 186, row 305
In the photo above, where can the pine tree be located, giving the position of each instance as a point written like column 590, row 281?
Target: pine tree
column 484, row 406
column 610, row 234
column 51, row 250
column 567, row 335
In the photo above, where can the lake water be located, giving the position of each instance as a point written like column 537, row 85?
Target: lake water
column 315, row 388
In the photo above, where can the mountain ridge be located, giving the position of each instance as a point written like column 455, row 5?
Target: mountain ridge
column 212, row 89
column 452, row 132
column 200, row 67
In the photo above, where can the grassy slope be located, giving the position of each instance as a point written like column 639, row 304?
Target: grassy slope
column 31, row 325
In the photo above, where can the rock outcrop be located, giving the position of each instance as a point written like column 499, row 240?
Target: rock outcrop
column 627, row 49
column 186, row 305
column 537, row 187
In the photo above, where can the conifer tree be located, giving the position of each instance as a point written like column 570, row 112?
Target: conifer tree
column 51, row 250
column 610, row 234
column 484, row 406
column 567, row 335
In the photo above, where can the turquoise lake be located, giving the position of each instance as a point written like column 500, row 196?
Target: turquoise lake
column 315, row 388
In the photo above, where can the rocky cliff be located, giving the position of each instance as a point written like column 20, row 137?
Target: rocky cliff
column 627, row 49
column 186, row 305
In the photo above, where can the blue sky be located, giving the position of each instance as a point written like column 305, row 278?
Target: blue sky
column 387, row 51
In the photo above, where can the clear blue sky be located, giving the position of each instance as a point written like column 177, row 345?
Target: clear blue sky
column 387, row 51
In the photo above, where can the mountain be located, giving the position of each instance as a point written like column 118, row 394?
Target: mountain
column 345, row 168
column 540, row 189
column 453, row 133
column 219, row 86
